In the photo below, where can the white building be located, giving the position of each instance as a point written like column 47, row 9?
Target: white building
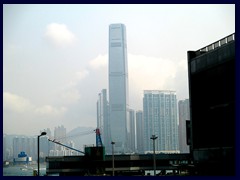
column 160, row 119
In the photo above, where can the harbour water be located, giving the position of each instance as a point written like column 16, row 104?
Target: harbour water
column 21, row 170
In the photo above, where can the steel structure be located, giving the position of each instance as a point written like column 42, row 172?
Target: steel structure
column 98, row 138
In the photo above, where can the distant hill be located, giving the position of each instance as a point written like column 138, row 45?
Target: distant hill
column 82, row 136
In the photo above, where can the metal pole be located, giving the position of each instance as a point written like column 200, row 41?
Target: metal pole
column 113, row 157
column 38, row 157
column 42, row 134
column 154, row 158
column 154, row 137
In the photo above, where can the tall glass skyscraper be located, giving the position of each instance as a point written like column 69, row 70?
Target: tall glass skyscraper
column 103, row 120
column 118, row 86
column 131, row 131
column 160, row 119
column 140, row 131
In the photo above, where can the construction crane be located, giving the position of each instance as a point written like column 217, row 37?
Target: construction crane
column 98, row 142
column 54, row 141
column 98, row 138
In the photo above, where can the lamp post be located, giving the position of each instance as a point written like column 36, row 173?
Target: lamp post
column 154, row 137
column 112, row 157
column 42, row 134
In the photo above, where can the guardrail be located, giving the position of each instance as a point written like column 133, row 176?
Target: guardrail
column 216, row 44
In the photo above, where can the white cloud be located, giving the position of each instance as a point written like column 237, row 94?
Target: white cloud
column 16, row 103
column 19, row 113
column 183, row 64
column 70, row 96
column 77, row 77
column 59, row 34
column 150, row 72
column 81, row 74
column 49, row 110
column 99, row 62
column 70, row 93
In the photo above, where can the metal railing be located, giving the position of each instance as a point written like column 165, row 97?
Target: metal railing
column 216, row 44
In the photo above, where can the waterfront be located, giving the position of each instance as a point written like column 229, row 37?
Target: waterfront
column 21, row 170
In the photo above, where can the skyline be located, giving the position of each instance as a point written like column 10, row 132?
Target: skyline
column 54, row 68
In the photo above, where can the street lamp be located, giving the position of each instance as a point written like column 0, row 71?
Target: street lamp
column 112, row 157
column 42, row 134
column 154, row 137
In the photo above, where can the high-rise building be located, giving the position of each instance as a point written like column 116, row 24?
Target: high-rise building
column 184, row 114
column 139, row 131
column 160, row 119
column 50, row 146
column 4, row 147
column 103, row 120
column 18, row 145
column 131, row 131
column 44, row 146
column 48, row 131
column 60, row 134
column 118, row 86
column 8, row 146
column 212, row 72
column 26, row 144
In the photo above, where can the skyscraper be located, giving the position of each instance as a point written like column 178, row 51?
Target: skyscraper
column 118, row 86
column 60, row 134
column 131, row 131
column 184, row 114
column 160, row 119
column 26, row 144
column 103, row 119
column 139, row 131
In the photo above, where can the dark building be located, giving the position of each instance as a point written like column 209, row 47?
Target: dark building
column 211, row 73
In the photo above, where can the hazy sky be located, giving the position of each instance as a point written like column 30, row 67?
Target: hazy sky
column 55, row 57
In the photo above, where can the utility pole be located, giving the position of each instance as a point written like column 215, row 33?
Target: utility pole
column 112, row 157
column 154, row 137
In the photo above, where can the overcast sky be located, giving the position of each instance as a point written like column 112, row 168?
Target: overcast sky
column 55, row 57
